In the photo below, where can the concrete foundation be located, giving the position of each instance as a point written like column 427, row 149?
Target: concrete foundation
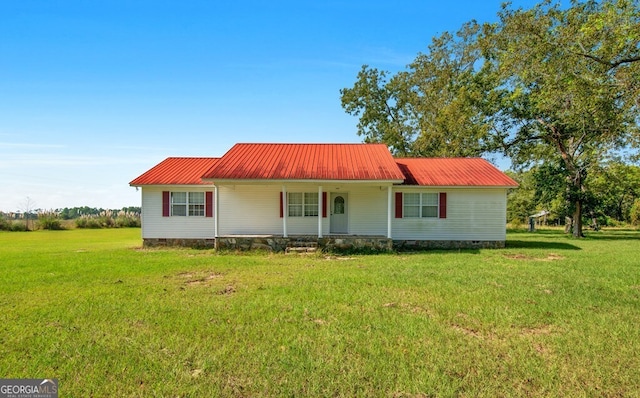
column 339, row 243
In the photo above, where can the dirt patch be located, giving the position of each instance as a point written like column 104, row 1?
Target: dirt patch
column 524, row 257
column 468, row 331
column 541, row 349
column 553, row 256
column 227, row 290
column 338, row 258
column 198, row 278
column 537, row 331
column 402, row 394
column 518, row 257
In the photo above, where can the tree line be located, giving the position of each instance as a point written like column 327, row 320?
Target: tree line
column 69, row 213
column 612, row 199
column 556, row 90
column 83, row 217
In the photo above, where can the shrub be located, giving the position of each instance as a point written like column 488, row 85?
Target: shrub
column 109, row 219
column 5, row 225
column 49, row 220
column 81, row 222
column 127, row 220
column 19, row 226
column 516, row 223
column 88, row 221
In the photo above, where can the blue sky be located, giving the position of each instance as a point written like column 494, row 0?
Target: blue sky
column 92, row 94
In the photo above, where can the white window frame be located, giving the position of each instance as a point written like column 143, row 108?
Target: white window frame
column 193, row 206
column 420, row 205
column 197, row 204
column 305, row 204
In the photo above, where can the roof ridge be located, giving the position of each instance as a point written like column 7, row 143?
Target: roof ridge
column 441, row 157
column 193, row 157
column 307, row 143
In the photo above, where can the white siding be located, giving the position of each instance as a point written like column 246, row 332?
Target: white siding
column 154, row 225
column 472, row 214
column 368, row 211
column 255, row 209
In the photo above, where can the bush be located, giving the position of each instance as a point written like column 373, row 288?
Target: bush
column 49, row 220
column 127, row 220
column 5, row 225
column 19, row 226
column 516, row 223
column 110, row 219
column 90, row 222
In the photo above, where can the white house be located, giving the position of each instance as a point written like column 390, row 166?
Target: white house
column 335, row 194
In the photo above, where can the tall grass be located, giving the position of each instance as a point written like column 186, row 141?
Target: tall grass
column 52, row 220
column 49, row 219
column 109, row 219
column 547, row 316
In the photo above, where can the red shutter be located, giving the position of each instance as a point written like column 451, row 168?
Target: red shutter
column 209, row 204
column 398, row 204
column 281, row 206
column 165, row 204
column 324, row 204
column 443, row 205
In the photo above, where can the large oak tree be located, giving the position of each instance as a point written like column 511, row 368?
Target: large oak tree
column 548, row 84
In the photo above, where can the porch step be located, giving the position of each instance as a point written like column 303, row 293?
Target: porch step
column 301, row 247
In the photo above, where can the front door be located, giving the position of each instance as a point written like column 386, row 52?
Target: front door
column 339, row 224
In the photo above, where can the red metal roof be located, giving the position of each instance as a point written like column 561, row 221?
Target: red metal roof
column 453, row 172
column 369, row 162
column 176, row 171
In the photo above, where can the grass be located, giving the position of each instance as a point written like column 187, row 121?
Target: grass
column 547, row 316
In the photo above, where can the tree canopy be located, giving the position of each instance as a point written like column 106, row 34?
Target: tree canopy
column 545, row 85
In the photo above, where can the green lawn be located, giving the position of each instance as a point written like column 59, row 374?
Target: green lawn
column 547, row 316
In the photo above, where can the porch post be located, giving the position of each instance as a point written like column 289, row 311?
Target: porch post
column 320, row 211
column 285, row 211
column 389, row 210
column 216, row 206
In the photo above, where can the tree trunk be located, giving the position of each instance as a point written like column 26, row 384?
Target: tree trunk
column 577, row 220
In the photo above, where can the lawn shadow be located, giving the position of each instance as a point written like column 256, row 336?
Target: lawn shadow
column 626, row 234
column 526, row 244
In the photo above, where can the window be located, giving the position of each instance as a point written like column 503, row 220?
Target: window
column 338, row 205
column 310, row 205
column 295, row 205
column 411, row 205
column 302, row 204
column 196, row 204
column 187, row 203
column 430, row 205
column 178, row 203
column 420, row 205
